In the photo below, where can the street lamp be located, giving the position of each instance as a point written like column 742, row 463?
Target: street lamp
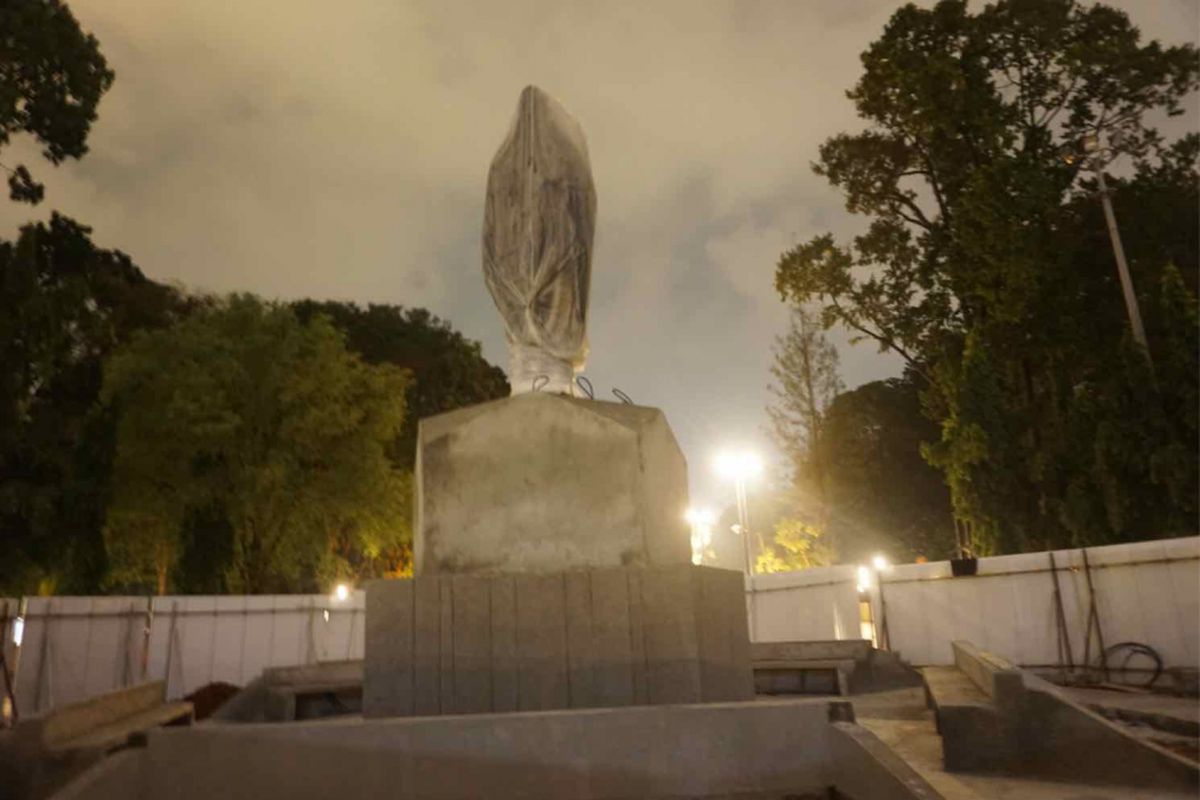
column 701, row 521
column 1097, row 157
column 740, row 466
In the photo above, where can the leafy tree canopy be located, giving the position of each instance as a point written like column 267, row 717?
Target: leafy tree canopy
column 244, row 414
column 64, row 305
column 985, row 263
column 884, row 497
column 52, row 77
column 447, row 370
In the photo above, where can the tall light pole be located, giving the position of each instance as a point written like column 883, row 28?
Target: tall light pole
column 1097, row 162
column 740, row 466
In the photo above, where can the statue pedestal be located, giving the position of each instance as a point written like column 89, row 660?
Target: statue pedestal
column 610, row 637
column 553, row 570
column 542, row 483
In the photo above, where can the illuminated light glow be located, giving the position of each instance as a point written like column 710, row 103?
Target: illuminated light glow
column 18, row 630
column 326, row 614
column 880, row 563
column 341, row 593
column 738, row 465
column 702, row 521
column 864, row 579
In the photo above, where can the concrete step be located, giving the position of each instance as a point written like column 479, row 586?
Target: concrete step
column 973, row 736
column 816, row 676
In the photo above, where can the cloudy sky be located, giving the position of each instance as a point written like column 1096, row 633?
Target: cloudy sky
column 339, row 150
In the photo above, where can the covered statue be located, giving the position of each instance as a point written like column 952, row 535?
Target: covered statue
column 538, row 224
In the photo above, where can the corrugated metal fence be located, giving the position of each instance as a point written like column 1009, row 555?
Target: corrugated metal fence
column 1149, row 592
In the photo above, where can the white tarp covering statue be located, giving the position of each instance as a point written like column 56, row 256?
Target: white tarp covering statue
column 538, row 224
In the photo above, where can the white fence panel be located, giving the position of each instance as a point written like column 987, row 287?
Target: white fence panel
column 1146, row 592
column 77, row 647
column 811, row 604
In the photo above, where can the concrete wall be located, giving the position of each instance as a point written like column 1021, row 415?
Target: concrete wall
column 542, row 483
column 468, row 644
column 723, row 749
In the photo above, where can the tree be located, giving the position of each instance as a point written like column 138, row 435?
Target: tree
column 795, row 544
column 806, row 375
column 52, row 77
column 806, row 381
column 243, row 414
column 983, row 264
column 447, row 370
column 64, row 305
column 883, row 497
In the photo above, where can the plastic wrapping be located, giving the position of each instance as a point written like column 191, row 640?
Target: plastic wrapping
column 538, row 225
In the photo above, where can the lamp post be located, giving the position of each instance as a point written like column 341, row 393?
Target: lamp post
column 740, row 466
column 1097, row 162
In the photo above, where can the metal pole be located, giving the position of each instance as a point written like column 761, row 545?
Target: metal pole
column 1131, row 303
column 1094, row 615
column 744, row 527
column 148, row 626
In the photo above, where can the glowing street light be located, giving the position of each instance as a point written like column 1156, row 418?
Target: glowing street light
column 341, row 593
column 880, row 563
column 740, row 466
column 864, row 579
column 701, row 520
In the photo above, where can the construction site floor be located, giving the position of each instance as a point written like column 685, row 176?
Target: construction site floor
column 901, row 720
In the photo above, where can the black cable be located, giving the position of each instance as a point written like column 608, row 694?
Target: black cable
column 1131, row 650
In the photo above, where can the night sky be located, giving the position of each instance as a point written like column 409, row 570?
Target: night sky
column 340, row 150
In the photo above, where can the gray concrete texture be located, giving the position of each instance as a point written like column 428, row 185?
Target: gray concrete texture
column 592, row 638
column 719, row 749
column 995, row 716
column 542, row 482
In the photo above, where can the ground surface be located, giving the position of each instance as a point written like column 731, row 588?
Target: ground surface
column 901, row 720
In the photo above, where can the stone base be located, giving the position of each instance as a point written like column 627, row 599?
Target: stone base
column 610, row 637
column 544, row 483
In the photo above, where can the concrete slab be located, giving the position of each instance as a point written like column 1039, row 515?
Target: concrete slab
column 901, row 720
column 993, row 716
column 734, row 750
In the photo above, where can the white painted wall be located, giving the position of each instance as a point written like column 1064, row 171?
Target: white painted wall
column 76, row 647
column 812, row 604
column 1148, row 592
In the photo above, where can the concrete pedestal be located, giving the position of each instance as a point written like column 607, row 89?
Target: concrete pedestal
column 545, row 483
column 609, row 637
